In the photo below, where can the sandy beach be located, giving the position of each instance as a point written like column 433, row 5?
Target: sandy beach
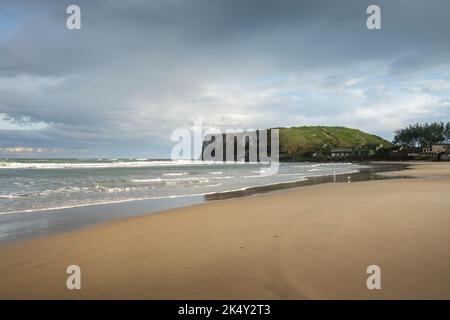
column 312, row 242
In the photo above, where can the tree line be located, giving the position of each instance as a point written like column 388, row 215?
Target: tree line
column 423, row 135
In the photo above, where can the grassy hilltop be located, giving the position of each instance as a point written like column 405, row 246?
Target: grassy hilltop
column 316, row 142
column 303, row 142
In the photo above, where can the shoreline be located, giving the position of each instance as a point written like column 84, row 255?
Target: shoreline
column 313, row 242
column 373, row 171
column 309, row 180
column 19, row 226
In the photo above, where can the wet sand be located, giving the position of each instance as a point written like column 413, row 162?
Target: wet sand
column 21, row 226
column 312, row 242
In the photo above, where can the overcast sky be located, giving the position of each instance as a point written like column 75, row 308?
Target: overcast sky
column 137, row 70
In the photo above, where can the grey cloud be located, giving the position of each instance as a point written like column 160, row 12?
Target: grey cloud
column 139, row 69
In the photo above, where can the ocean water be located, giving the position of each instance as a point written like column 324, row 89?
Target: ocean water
column 28, row 185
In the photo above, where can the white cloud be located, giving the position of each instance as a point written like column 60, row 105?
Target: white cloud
column 24, row 123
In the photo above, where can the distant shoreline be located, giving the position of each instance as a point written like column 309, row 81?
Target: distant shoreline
column 364, row 174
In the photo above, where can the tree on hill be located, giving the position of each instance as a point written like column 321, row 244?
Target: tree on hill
column 422, row 135
column 447, row 132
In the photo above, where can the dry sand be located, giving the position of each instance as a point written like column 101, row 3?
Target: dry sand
column 311, row 242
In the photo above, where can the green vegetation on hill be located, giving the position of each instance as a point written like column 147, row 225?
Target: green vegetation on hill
column 423, row 134
column 315, row 141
